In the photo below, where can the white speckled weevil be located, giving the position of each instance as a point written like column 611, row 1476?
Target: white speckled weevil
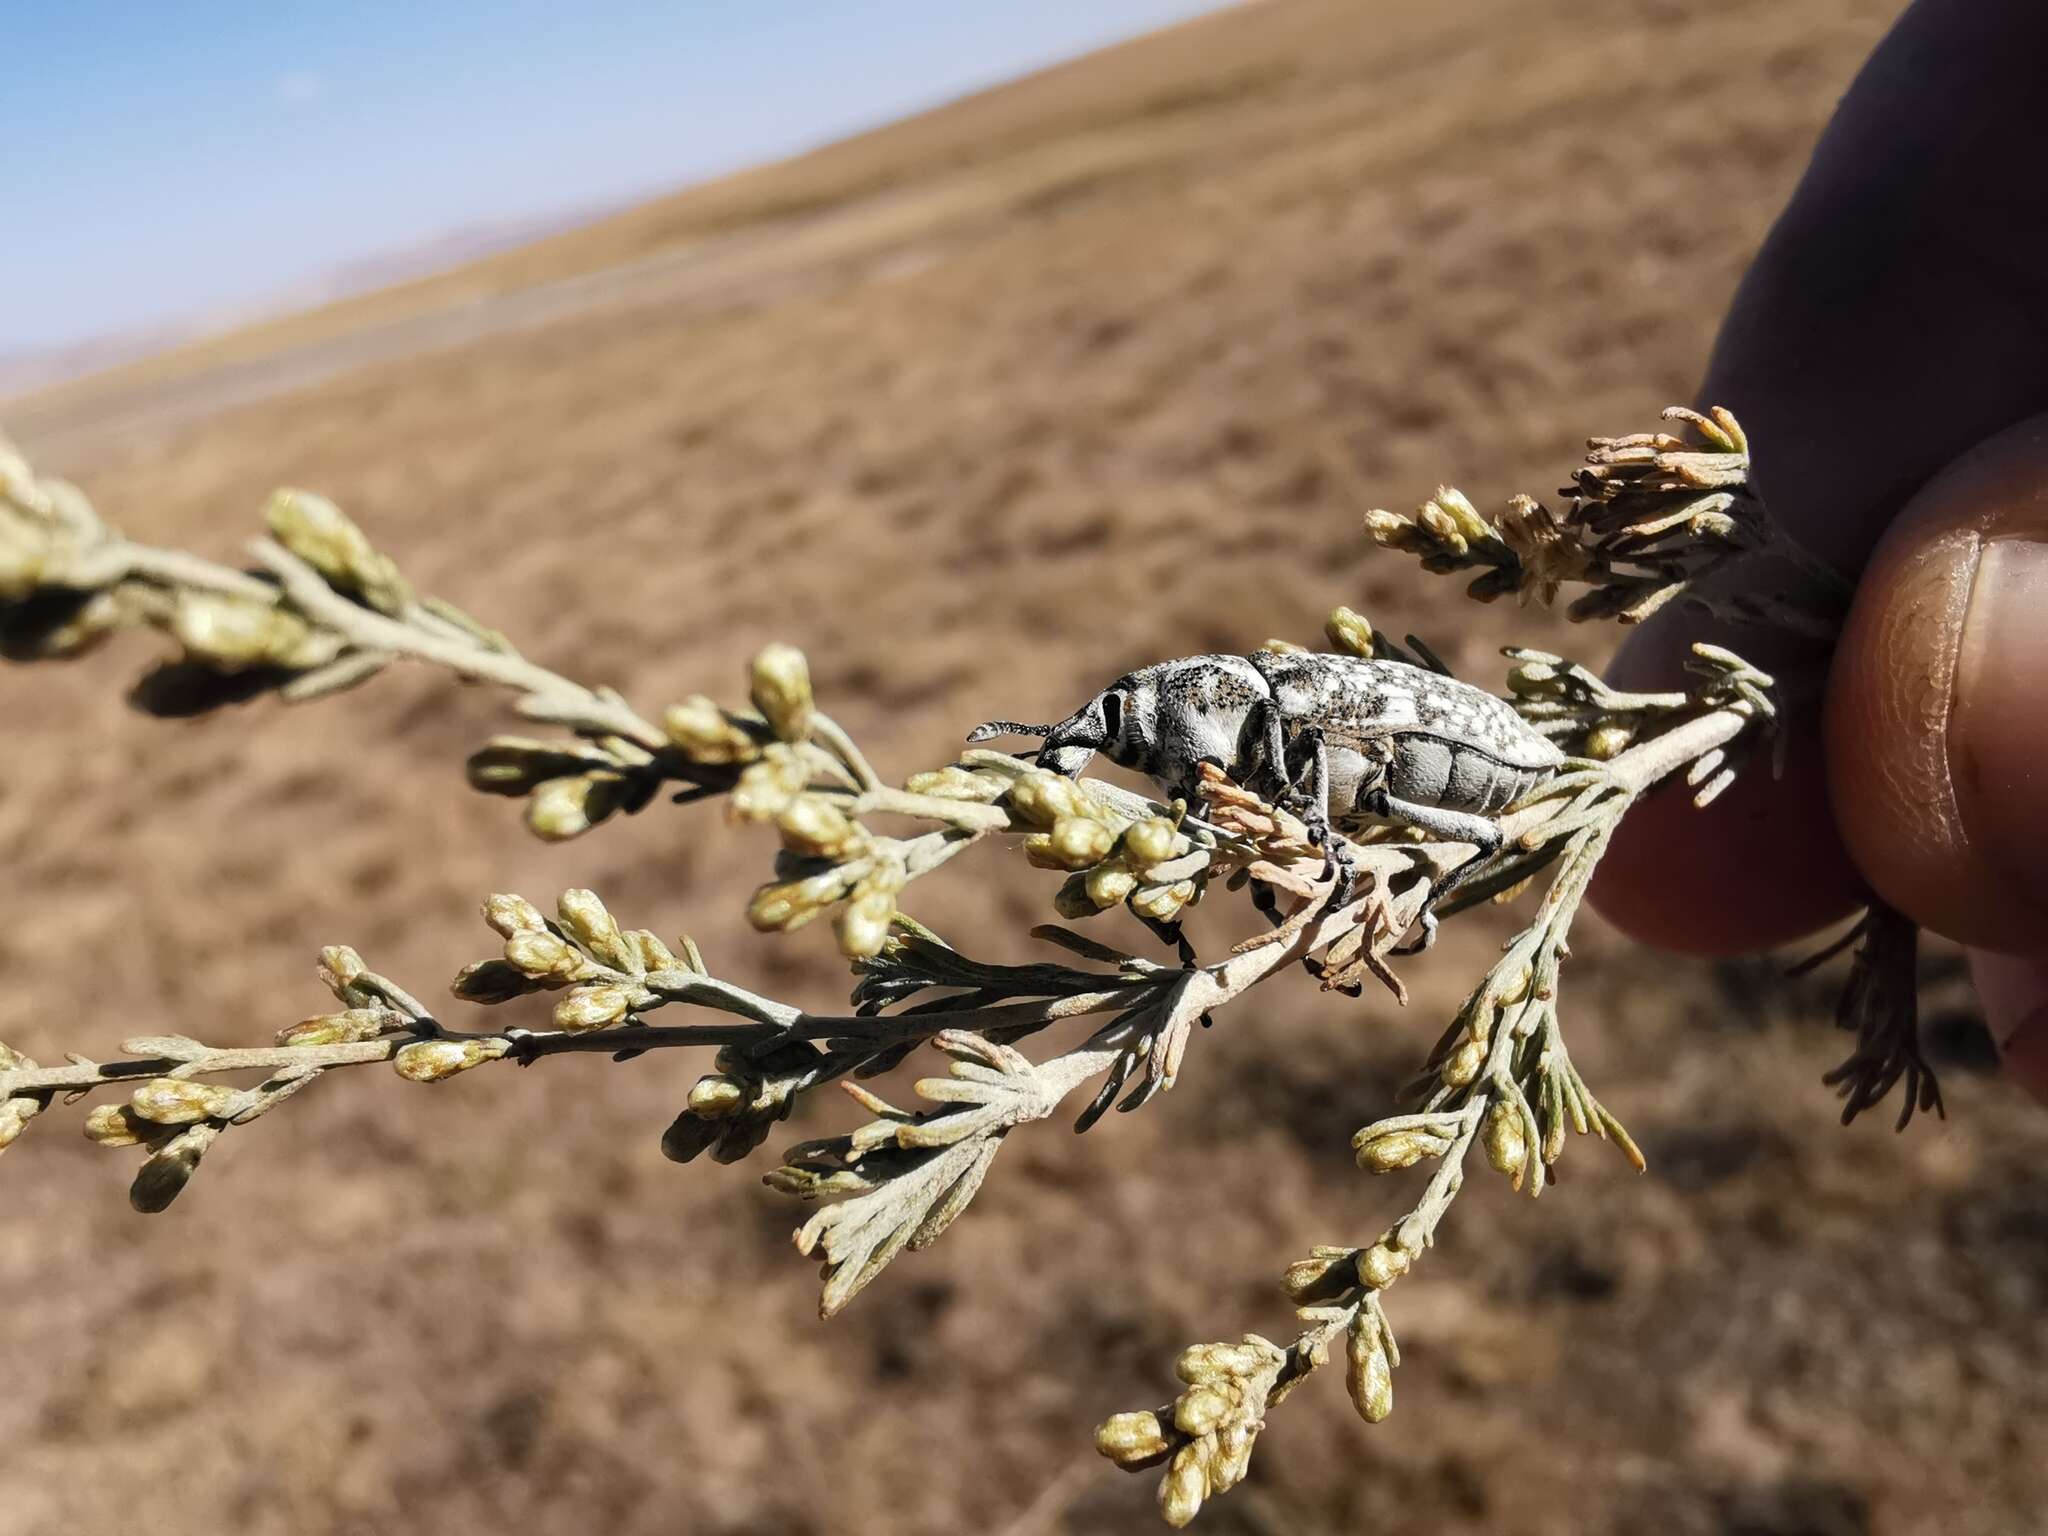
column 1338, row 738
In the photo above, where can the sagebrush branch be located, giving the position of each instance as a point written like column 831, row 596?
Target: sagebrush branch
column 1648, row 518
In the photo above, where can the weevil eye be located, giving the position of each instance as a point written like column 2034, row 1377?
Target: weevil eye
column 1112, row 718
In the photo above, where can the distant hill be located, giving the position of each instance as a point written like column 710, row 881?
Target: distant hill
column 27, row 369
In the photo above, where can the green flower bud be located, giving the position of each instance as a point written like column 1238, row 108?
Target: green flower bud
column 1370, row 1374
column 340, row 1028
column 863, row 923
column 1348, row 632
column 1382, row 1264
column 429, row 1061
column 508, row 915
column 1505, row 1140
column 116, row 1125
column 1184, row 1487
column 1153, row 841
column 587, row 921
column 717, row 1096
column 542, row 956
column 179, row 1101
column 704, row 733
column 1389, row 1151
column 782, row 691
column 591, row 1008
column 1109, row 885
column 1129, row 1438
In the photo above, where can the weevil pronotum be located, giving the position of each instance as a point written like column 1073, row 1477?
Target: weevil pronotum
column 1338, row 738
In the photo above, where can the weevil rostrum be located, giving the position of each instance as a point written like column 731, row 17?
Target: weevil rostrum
column 1339, row 739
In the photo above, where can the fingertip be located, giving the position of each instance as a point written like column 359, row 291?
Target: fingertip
column 1937, row 742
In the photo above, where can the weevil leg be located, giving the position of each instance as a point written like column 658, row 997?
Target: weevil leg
column 1264, row 748
column 1308, row 795
column 1458, row 826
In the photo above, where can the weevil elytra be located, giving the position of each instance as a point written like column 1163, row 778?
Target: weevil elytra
column 1340, row 739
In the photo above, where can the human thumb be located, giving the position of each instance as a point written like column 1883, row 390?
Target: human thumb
column 1936, row 724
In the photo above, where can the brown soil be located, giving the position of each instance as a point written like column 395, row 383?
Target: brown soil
column 980, row 411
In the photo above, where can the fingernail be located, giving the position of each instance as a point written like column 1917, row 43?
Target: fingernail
column 1998, row 726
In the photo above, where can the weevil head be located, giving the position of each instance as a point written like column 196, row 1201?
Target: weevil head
column 1116, row 722
column 1162, row 720
column 1158, row 721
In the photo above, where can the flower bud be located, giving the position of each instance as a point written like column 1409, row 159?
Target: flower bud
column 587, row 921
column 116, row 1125
column 786, row 906
column 341, row 967
column 591, row 1008
column 1516, row 987
column 782, row 691
column 1042, row 798
column 862, row 926
column 1221, row 1362
column 319, row 533
column 652, row 953
column 1321, row 1276
column 1109, row 885
column 15, row 1115
column 1380, row 1151
column 179, row 1101
column 1348, row 631
column 1461, row 1067
column 1127, row 1438
column 508, row 915
column 1466, row 516
column 1381, row 1265
column 560, row 809
column 1078, row 842
column 1370, row 1376
column 1506, row 1143
column 1162, row 903
column 1233, row 1458
column 12, row 1060
column 716, row 1096
column 340, row 1028
column 1442, row 528
column 1200, row 1409
column 1609, row 739
column 429, row 1061
column 767, row 788
column 813, row 826
column 235, row 632
column 957, row 783
column 704, row 733
column 1153, row 841
column 1282, row 648
column 1390, row 530
column 542, row 956
column 1184, row 1487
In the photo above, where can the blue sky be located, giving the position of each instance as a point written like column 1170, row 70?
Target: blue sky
column 168, row 158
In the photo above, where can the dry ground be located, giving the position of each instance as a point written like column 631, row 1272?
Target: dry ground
column 981, row 411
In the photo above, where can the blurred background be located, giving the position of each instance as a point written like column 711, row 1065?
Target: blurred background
column 980, row 407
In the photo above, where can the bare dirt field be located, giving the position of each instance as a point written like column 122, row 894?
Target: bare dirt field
column 981, row 411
